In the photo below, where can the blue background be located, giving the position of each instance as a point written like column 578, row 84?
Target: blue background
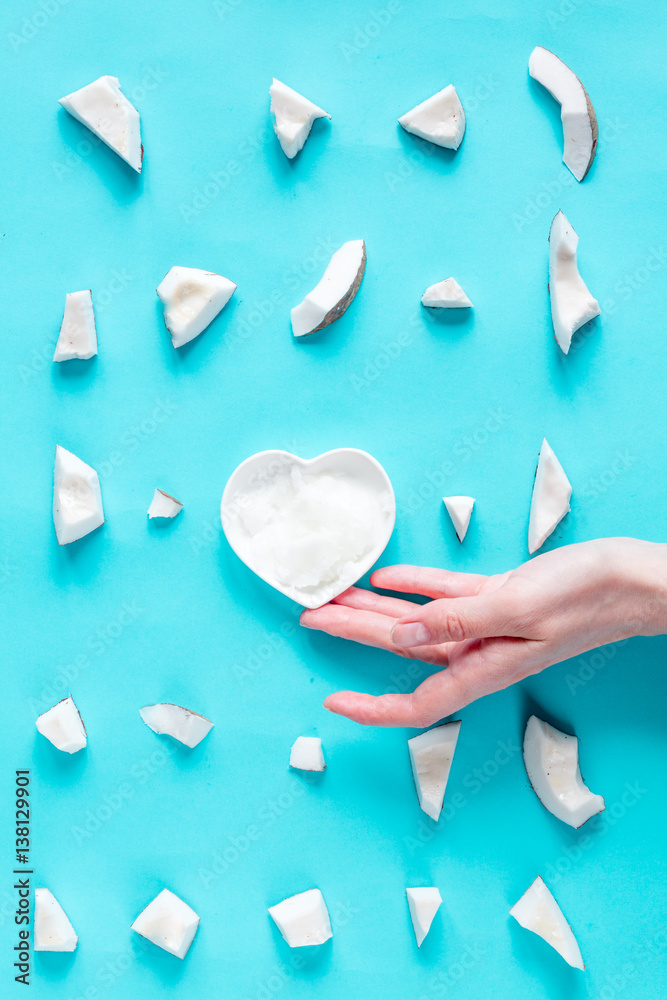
column 139, row 613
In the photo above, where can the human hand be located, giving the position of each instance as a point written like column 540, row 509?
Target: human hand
column 491, row 631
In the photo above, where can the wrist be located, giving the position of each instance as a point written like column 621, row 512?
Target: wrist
column 640, row 569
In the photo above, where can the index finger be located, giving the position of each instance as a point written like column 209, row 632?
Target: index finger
column 427, row 581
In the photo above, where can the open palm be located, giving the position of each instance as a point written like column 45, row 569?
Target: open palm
column 491, row 631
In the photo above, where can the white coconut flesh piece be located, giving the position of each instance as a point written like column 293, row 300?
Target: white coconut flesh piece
column 538, row 911
column 53, row 930
column 303, row 919
column 105, row 110
column 293, row 117
column 439, row 119
column 334, row 292
column 169, row 923
column 431, row 755
column 77, row 499
column 572, row 305
column 552, row 765
column 580, row 125
column 424, row 903
column 164, row 505
column 63, row 726
column 78, row 336
column 192, row 299
column 551, row 498
column 307, row 755
column 446, row 294
column 180, row 723
column 460, row 511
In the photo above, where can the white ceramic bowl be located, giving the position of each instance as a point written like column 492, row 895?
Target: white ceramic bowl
column 262, row 467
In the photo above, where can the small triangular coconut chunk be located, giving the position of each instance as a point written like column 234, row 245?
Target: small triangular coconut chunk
column 192, row 299
column 307, row 755
column 105, row 110
column 439, row 119
column 293, row 117
column 164, row 505
column 538, row 911
column 572, row 305
column 169, row 923
column 551, row 498
column 431, row 755
column 78, row 336
column 334, row 291
column 303, row 919
column 53, row 930
column 552, row 765
column 446, row 294
column 63, row 726
column 180, row 723
column 424, row 903
column 580, row 125
column 460, row 510
column 77, row 499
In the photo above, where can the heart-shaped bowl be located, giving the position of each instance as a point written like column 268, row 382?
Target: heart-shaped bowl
column 288, row 531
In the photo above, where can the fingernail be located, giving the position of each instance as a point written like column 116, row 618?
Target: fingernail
column 303, row 622
column 414, row 634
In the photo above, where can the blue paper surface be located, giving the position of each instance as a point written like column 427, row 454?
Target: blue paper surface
column 138, row 613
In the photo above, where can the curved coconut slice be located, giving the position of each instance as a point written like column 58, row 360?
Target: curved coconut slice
column 78, row 336
column 106, row 111
column 538, row 911
column 439, row 119
column 183, row 725
column 551, row 498
column 446, row 294
column 334, row 292
column 424, row 903
column 163, row 505
column 306, row 754
column 53, row 930
column 63, row 726
column 459, row 509
column 169, row 923
column 572, row 305
column 552, row 765
column 77, row 500
column 580, row 125
column 293, row 117
column 192, row 299
column 431, row 755
column 303, row 919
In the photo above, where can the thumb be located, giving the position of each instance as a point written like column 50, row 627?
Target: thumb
column 459, row 618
